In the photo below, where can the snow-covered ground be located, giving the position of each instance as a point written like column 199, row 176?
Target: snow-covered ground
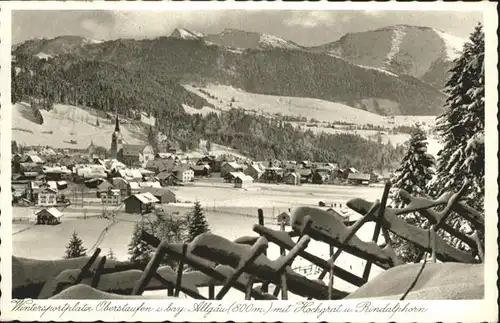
column 224, row 220
column 454, row 45
column 65, row 123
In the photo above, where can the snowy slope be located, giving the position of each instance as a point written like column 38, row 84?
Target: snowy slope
column 186, row 34
column 453, row 44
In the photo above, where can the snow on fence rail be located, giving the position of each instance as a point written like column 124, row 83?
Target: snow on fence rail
column 243, row 264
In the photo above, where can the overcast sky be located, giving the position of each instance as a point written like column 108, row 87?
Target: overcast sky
column 303, row 27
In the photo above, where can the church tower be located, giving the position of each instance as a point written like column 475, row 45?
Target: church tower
column 116, row 140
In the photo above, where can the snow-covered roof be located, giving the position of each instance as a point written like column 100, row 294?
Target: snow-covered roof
column 134, row 185
column 146, row 198
column 235, row 165
column 53, row 211
column 150, row 184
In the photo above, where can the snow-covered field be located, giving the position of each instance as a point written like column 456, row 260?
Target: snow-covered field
column 65, row 123
column 224, row 220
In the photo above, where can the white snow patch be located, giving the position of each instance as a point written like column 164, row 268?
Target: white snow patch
column 397, row 38
column 188, row 34
column 378, row 69
column 203, row 111
column 454, row 45
column 235, row 50
column 273, row 41
column 43, row 55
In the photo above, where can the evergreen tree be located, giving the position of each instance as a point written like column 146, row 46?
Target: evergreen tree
column 75, row 248
column 139, row 250
column 461, row 126
column 197, row 223
column 111, row 255
column 412, row 176
column 97, row 124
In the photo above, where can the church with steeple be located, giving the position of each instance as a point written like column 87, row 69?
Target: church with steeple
column 116, row 140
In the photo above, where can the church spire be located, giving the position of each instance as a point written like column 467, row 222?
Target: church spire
column 117, row 125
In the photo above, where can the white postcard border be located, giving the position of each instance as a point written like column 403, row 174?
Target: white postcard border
column 445, row 311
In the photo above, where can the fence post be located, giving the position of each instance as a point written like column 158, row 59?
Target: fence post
column 260, row 214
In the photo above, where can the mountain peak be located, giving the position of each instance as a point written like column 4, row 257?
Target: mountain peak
column 185, row 34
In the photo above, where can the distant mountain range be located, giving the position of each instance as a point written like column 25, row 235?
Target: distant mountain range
column 390, row 71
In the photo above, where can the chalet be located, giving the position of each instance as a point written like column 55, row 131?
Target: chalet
column 183, row 173
column 50, row 216
column 167, row 179
column 207, row 160
column 164, row 195
column 135, row 155
column 243, row 181
column 32, row 159
column 46, row 195
column 305, row 174
column 120, row 184
column 160, row 165
column 111, row 197
column 350, row 170
column 141, row 203
column 232, row 176
column 131, row 175
column 230, row 167
column 320, row 177
column 30, row 167
column 86, row 172
column 359, row 178
column 104, row 187
column 202, row 170
column 94, row 182
column 254, row 170
column 284, row 217
column 133, row 188
column 273, row 174
column 292, row 179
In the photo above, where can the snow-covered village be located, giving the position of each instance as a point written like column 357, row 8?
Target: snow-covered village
column 211, row 162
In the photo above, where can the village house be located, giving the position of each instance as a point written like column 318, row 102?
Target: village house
column 305, row 174
column 50, row 216
column 167, row 179
column 94, row 182
column 104, row 187
column 133, row 188
column 46, row 195
column 201, row 170
column 136, row 155
column 32, row 159
column 292, row 179
column 164, row 195
column 149, row 184
column 30, row 167
column 273, row 174
column 350, row 170
column 160, row 165
column 207, row 160
column 120, row 184
column 230, row 167
column 232, row 176
column 87, row 171
column 359, row 178
column 320, row 177
column 111, row 197
column 130, row 174
column 243, row 181
column 140, row 203
column 254, row 170
column 183, row 173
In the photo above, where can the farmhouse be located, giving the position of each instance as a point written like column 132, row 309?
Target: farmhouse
column 47, row 195
column 164, row 195
column 111, row 197
column 230, row 167
column 159, row 165
column 167, row 179
column 201, row 170
column 48, row 216
column 183, row 173
column 348, row 171
column 320, row 177
column 243, row 181
column 142, row 203
column 120, row 184
column 305, row 174
column 255, row 171
column 292, row 179
column 135, row 155
column 359, row 178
